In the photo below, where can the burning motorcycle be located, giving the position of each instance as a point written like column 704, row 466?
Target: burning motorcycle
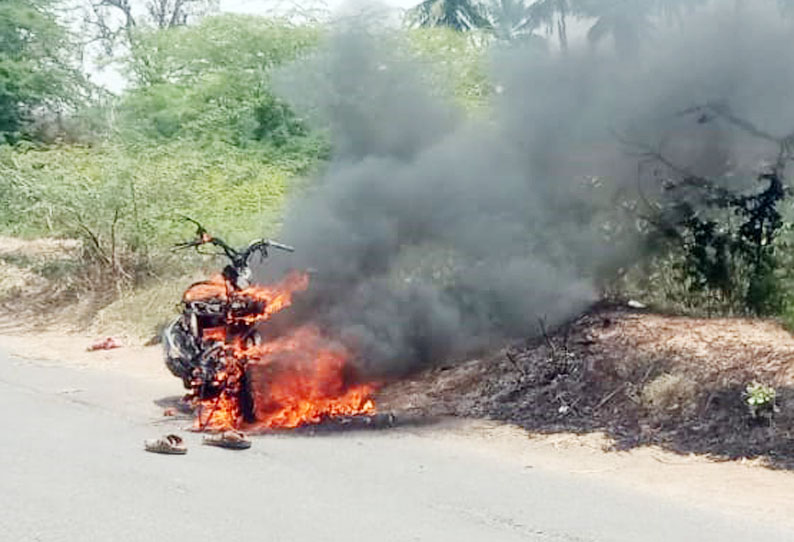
column 300, row 376
column 207, row 345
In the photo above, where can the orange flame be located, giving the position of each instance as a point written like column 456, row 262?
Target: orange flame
column 277, row 296
column 298, row 379
column 302, row 379
column 218, row 414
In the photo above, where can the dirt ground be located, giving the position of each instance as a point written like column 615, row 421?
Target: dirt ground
column 648, row 400
column 638, row 378
column 691, row 479
column 40, row 271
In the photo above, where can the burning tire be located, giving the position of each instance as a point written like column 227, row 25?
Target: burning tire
column 180, row 351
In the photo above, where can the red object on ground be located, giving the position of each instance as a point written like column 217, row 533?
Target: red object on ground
column 107, row 343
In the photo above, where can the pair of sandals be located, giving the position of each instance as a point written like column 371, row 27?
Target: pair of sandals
column 175, row 445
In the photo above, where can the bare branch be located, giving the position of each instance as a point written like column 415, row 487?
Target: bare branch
column 709, row 111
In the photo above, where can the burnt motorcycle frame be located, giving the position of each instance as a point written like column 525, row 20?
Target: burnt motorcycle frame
column 208, row 367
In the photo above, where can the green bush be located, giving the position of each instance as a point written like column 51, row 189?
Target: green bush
column 211, row 83
column 125, row 202
column 37, row 74
column 760, row 400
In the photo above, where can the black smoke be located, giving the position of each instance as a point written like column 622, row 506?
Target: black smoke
column 433, row 233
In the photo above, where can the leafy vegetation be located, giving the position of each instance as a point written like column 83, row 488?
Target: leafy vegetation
column 211, row 83
column 739, row 262
column 625, row 21
column 124, row 203
column 455, row 14
column 200, row 131
column 37, row 75
column 760, row 400
column 722, row 244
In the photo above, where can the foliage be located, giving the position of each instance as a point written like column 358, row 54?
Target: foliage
column 200, row 133
column 626, row 21
column 36, row 73
column 211, row 82
column 509, row 19
column 115, row 22
column 550, row 15
column 459, row 15
column 760, row 399
column 171, row 13
column 738, row 261
column 717, row 255
column 124, row 202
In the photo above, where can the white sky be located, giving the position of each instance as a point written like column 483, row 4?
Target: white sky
column 110, row 78
column 262, row 6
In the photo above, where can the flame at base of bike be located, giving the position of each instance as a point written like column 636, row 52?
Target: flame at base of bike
column 218, row 414
column 296, row 380
column 234, row 380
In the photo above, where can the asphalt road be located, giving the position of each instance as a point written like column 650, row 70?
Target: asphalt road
column 72, row 468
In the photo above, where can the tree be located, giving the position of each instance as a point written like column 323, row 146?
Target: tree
column 110, row 20
column 625, row 20
column 551, row 14
column 211, row 81
column 728, row 235
column 36, row 71
column 460, row 15
column 511, row 19
column 171, row 13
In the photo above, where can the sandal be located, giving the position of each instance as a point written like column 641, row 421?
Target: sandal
column 234, row 440
column 169, row 444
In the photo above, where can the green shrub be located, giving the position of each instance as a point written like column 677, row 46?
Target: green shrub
column 125, row 202
column 211, row 83
column 37, row 66
column 760, row 400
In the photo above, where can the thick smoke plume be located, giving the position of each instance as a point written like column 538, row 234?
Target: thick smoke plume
column 432, row 234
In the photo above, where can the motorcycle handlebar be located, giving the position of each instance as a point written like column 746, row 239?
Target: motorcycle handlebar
column 204, row 238
column 281, row 246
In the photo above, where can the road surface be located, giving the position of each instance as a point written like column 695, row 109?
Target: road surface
column 73, row 469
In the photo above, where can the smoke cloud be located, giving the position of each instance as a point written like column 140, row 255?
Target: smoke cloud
column 433, row 233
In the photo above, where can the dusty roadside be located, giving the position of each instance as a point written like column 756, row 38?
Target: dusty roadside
column 744, row 488
column 640, row 378
column 71, row 349
column 664, row 390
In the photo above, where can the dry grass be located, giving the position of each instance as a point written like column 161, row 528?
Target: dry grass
column 15, row 280
column 42, row 286
column 640, row 378
column 45, row 248
column 669, row 393
column 720, row 352
column 138, row 315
